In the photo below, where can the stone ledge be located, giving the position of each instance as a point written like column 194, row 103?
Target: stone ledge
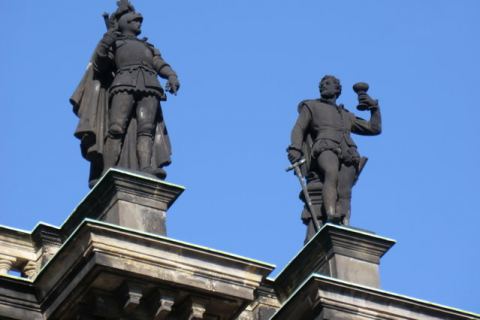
column 321, row 297
column 96, row 249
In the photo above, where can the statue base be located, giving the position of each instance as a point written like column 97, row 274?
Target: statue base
column 339, row 252
column 128, row 199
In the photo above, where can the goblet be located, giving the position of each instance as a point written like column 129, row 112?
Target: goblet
column 360, row 89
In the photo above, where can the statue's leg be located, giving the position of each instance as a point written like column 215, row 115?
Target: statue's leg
column 346, row 178
column 328, row 163
column 120, row 112
column 146, row 113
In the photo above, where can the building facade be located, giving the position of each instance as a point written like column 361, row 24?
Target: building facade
column 111, row 259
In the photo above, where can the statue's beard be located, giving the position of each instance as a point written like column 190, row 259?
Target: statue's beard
column 328, row 95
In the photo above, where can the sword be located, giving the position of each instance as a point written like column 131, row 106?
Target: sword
column 296, row 167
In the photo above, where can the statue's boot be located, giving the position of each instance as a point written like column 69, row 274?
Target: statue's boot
column 160, row 173
column 112, row 149
column 332, row 215
column 329, row 202
column 144, row 154
column 343, row 210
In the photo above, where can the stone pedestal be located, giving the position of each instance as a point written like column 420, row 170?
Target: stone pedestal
column 339, row 252
column 128, row 199
column 336, row 277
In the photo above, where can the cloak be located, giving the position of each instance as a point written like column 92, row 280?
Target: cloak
column 91, row 104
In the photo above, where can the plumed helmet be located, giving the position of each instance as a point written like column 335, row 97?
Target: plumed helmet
column 125, row 13
column 124, row 6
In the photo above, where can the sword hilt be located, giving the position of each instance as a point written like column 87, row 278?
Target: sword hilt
column 296, row 164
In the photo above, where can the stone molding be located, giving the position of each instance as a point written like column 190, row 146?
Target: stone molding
column 97, row 249
column 321, row 297
column 25, row 250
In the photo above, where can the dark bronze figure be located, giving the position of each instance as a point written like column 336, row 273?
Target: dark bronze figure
column 118, row 100
column 321, row 136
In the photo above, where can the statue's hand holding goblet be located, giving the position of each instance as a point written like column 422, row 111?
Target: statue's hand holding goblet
column 366, row 100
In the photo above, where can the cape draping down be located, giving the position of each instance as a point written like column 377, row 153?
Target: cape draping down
column 90, row 103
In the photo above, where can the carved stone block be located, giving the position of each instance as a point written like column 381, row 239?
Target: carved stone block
column 127, row 199
column 340, row 252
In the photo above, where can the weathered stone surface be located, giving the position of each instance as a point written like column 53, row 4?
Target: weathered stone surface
column 132, row 293
column 48, row 240
column 16, row 250
column 18, row 300
column 163, row 302
column 25, row 252
column 264, row 305
column 104, row 271
column 128, row 199
column 113, row 269
column 124, row 198
column 102, row 256
column 326, row 298
column 340, row 252
column 118, row 267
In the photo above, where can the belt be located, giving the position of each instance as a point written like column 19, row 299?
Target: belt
column 133, row 67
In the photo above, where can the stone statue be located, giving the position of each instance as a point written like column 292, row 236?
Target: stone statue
column 330, row 162
column 118, row 100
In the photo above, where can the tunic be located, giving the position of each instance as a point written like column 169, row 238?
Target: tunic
column 329, row 127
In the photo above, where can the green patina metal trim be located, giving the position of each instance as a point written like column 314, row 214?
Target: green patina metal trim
column 39, row 223
column 15, row 229
column 138, row 175
column 357, row 231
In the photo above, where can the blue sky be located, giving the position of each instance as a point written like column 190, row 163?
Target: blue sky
column 244, row 66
